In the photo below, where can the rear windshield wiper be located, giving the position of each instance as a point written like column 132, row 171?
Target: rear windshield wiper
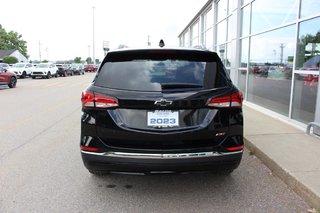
column 180, row 85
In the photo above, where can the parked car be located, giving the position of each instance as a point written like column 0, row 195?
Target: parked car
column 64, row 70
column 89, row 68
column 5, row 66
column 45, row 70
column 7, row 77
column 22, row 70
column 77, row 69
column 161, row 110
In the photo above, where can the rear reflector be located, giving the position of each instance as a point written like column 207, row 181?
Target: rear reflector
column 90, row 100
column 89, row 149
column 235, row 148
column 233, row 100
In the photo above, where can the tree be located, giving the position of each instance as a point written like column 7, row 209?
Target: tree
column 13, row 40
column 45, row 61
column 77, row 60
column 89, row 60
column 10, row 60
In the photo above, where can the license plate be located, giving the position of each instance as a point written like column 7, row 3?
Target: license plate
column 163, row 118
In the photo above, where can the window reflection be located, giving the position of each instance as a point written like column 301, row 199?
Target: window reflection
column 266, row 15
column 308, row 49
column 304, row 99
column 309, row 8
column 228, row 55
column 242, row 75
column 221, row 50
column 244, row 52
column 270, row 71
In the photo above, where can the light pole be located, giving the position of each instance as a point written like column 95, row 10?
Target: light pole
column 89, row 51
column 39, row 52
column 94, row 59
column 47, row 50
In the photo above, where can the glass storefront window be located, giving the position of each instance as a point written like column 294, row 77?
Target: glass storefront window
column 242, row 76
column 181, row 41
column 186, row 39
column 222, row 52
column 232, row 27
column 309, row 8
column 270, row 70
column 308, row 47
column 304, row 98
column 245, row 21
column 244, row 52
column 228, row 55
column 209, row 39
column 233, row 4
column 222, row 32
column 222, row 9
column 245, row 2
column 208, row 19
column 195, row 33
column 266, row 15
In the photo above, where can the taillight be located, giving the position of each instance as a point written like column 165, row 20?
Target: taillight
column 233, row 100
column 90, row 100
column 104, row 102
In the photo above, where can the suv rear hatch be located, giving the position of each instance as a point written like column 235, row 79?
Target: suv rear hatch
column 180, row 99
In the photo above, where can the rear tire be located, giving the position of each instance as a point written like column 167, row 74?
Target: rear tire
column 99, row 173
column 48, row 75
column 24, row 74
column 13, row 82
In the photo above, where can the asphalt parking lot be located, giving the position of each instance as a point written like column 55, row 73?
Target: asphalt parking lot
column 41, row 168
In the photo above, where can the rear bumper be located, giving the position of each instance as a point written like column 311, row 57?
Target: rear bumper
column 145, row 163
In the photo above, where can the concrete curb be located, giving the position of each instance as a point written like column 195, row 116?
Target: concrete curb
column 303, row 191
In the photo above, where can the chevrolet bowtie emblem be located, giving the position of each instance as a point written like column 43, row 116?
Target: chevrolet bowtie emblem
column 162, row 102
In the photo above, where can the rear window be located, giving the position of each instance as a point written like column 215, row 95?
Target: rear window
column 163, row 72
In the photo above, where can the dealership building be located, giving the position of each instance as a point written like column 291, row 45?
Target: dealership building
column 271, row 49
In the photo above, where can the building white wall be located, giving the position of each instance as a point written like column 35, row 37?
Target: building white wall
column 19, row 56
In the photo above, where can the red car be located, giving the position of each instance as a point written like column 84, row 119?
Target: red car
column 89, row 68
column 7, row 78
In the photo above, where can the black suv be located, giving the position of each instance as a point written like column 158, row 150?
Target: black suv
column 64, row 70
column 161, row 110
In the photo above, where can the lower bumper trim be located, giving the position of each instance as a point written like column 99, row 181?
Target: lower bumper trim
column 162, row 156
